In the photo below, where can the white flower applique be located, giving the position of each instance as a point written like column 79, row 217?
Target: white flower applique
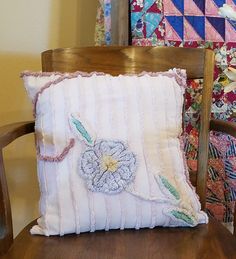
column 107, row 166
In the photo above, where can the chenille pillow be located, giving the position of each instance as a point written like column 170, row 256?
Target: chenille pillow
column 110, row 152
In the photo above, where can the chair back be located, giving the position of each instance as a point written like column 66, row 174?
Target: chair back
column 199, row 63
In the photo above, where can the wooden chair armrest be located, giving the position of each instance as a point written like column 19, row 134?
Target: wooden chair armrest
column 223, row 126
column 10, row 132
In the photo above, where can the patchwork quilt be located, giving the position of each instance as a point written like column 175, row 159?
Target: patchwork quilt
column 194, row 20
column 197, row 23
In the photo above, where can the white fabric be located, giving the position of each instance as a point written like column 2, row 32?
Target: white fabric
column 143, row 111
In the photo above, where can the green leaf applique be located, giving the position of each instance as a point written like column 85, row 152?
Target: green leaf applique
column 80, row 130
column 170, row 187
column 183, row 216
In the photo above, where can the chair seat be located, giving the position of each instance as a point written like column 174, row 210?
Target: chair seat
column 204, row 241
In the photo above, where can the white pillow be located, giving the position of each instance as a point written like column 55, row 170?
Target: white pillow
column 109, row 152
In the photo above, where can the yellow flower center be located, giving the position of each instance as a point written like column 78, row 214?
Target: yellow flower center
column 109, row 163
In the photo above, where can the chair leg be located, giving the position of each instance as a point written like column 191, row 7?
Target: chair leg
column 235, row 219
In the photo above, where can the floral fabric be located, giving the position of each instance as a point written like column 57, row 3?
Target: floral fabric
column 194, row 24
column 103, row 23
column 99, row 28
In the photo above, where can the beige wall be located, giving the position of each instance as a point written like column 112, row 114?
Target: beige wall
column 26, row 29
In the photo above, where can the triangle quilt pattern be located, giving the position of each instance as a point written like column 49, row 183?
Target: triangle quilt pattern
column 154, row 9
column 148, row 4
column 230, row 35
column 176, row 22
column 211, row 8
column 233, row 23
column 232, row 3
column 170, row 8
column 179, row 5
column 194, row 28
column 219, row 3
column 186, row 20
column 171, row 34
column 149, row 15
column 135, row 16
column 212, row 34
column 196, row 8
column 200, row 4
column 152, row 22
column 189, row 32
column 218, row 24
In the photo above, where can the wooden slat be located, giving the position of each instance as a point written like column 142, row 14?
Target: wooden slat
column 203, row 146
column 118, row 60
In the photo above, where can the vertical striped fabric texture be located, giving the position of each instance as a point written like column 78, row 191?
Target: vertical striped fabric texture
column 139, row 117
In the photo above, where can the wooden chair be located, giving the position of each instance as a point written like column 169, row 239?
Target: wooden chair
column 206, row 241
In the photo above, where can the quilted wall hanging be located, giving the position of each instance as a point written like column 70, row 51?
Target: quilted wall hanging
column 196, row 23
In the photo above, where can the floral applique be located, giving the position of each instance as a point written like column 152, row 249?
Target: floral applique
column 168, row 187
column 80, row 130
column 107, row 166
column 176, row 212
